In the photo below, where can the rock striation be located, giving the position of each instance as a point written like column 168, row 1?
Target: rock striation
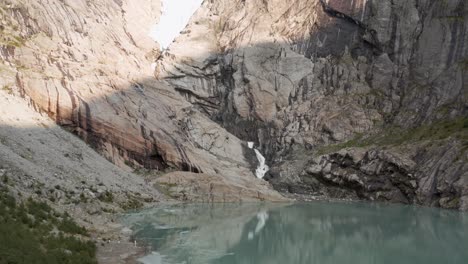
column 296, row 76
column 314, row 84
column 88, row 65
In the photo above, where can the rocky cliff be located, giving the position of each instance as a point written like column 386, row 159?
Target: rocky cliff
column 380, row 87
column 351, row 99
column 88, row 65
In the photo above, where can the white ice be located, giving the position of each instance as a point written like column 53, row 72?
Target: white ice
column 262, row 167
column 175, row 16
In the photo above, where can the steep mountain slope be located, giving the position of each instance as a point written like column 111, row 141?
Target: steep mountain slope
column 296, row 76
column 88, row 65
column 352, row 99
column 38, row 159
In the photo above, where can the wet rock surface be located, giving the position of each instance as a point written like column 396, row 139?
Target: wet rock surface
column 199, row 187
column 426, row 174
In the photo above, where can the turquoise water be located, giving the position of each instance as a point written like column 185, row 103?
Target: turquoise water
column 318, row 232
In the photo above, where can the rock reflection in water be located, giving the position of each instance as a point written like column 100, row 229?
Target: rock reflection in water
column 301, row 233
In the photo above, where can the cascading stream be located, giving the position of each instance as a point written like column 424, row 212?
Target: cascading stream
column 262, row 167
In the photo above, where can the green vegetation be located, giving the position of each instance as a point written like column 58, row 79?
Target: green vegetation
column 355, row 142
column 459, row 18
column 456, row 128
column 107, row 197
column 129, row 163
column 151, row 173
column 464, row 64
column 131, row 203
column 83, row 198
column 31, row 232
column 7, row 89
column 165, row 188
column 5, row 179
column 11, row 40
column 9, row 30
column 67, row 225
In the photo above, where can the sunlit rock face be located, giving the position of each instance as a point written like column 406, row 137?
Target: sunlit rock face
column 292, row 77
column 213, row 188
column 85, row 64
column 175, row 16
column 296, row 76
column 138, row 17
column 88, row 65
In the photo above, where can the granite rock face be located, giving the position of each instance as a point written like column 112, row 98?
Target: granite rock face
column 422, row 174
column 189, row 186
column 315, row 72
column 296, row 76
column 291, row 76
column 88, row 65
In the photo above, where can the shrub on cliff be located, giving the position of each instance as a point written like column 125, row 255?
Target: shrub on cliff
column 32, row 232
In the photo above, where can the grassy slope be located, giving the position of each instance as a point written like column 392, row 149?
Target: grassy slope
column 456, row 128
column 32, row 232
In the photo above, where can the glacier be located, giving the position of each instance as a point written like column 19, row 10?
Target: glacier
column 174, row 18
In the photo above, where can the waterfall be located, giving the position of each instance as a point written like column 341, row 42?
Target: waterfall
column 250, row 144
column 262, row 167
column 364, row 4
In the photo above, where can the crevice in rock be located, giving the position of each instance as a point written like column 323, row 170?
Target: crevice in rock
column 371, row 41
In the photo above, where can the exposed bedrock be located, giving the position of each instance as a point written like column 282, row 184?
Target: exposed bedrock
column 296, row 76
column 421, row 173
column 291, row 76
column 88, row 65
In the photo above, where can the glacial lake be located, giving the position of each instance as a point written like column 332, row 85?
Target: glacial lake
column 318, row 232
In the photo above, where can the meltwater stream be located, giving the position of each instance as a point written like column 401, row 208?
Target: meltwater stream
column 319, row 232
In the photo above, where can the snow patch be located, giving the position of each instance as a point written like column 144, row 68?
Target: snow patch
column 175, row 16
column 250, row 144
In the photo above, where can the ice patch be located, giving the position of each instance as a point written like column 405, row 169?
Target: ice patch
column 175, row 16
